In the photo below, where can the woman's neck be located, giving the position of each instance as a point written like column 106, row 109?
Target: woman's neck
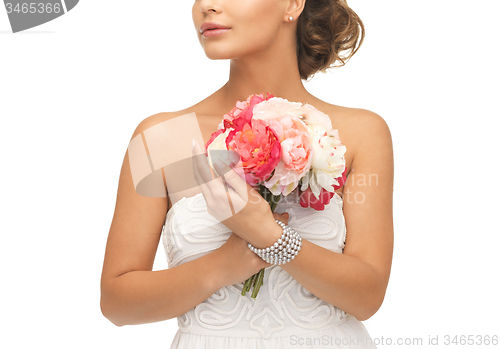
column 275, row 71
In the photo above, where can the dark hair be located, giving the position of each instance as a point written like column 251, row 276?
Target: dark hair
column 325, row 29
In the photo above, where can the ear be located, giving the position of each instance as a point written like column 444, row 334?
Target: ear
column 294, row 8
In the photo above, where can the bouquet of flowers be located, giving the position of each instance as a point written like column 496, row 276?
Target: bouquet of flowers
column 283, row 146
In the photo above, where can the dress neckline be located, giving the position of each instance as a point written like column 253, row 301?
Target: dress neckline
column 337, row 196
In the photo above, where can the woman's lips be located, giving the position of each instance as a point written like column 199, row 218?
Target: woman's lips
column 213, row 32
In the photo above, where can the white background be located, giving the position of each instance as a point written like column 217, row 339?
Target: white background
column 73, row 90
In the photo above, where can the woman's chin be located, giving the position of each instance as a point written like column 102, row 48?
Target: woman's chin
column 217, row 54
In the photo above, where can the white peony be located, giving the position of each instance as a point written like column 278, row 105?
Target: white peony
column 275, row 107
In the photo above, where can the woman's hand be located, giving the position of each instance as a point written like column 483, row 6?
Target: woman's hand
column 245, row 212
column 238, row 260
column 284, row 217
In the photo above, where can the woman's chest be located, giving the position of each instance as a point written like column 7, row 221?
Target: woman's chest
column 191, row 232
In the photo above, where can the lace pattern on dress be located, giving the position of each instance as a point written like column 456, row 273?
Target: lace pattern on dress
column 190, row 232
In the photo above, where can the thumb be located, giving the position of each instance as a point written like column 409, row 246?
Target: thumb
column 281, row 216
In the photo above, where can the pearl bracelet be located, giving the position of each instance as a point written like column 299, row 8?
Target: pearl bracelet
column 283, row 250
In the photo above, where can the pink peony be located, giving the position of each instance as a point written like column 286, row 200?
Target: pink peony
column 296, row 155
column 307, row 199
column 258, row 148
column 296, row 149
column 242, row 113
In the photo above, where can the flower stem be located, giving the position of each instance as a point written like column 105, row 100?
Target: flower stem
column 254, row 279
column 246, row 286
column 258, row 278
column 258, row 283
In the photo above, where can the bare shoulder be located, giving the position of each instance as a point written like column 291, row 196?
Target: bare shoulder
column 359, row 129
column 158, row 118
column 369, row 122
column 372, row 132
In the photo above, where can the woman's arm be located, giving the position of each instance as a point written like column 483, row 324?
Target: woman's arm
column 356, row 280
column 131, row 293
column 145, row 296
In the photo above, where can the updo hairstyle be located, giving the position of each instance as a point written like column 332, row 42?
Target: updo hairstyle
column 329, row 33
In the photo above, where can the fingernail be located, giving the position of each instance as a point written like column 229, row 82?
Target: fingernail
column 218, row 163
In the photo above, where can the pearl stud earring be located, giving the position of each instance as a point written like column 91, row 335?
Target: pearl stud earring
column 290, row 18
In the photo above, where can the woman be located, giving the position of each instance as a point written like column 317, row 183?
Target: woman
column 319, row 298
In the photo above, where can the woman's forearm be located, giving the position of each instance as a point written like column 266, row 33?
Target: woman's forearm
column 139, row 297
column 341, row 280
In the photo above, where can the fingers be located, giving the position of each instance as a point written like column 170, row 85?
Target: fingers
column 213, row 188
column 284, row 217
column 201, row 169
column 230, row 182
column 233, row 179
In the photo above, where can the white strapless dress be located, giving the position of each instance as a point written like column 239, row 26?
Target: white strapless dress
column 285, row 314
